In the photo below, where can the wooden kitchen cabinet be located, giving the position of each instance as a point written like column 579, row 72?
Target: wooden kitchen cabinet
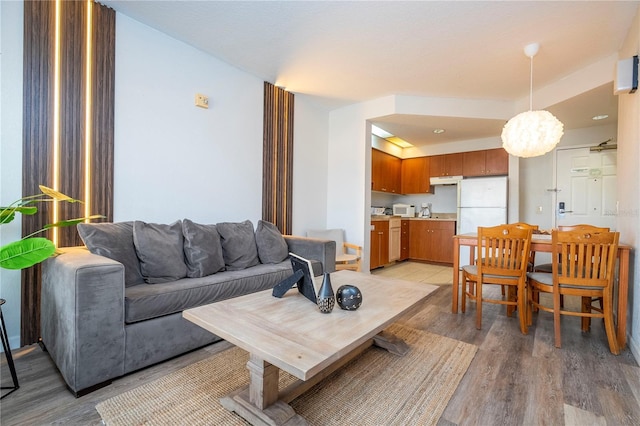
column 431, row 240
column 385, row 172
column 419, row 247
column 489, row 162
column 415, row 176
column 404, row 240
column 395, row 242
column 379, row 244
column 442, row 233
column 445, row 165
column 497, row 162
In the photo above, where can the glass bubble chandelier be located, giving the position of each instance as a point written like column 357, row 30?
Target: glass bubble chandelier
column 531, row 133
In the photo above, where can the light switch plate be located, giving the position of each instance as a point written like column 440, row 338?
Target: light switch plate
column 202, row 101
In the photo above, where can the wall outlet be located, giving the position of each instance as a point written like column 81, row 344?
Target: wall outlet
column 202, row 101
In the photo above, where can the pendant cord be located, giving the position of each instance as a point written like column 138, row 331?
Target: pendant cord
column 531, row 85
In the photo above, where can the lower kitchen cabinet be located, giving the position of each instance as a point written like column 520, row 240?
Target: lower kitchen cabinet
column 431, row 240
column 379, row 243
column 395, row 239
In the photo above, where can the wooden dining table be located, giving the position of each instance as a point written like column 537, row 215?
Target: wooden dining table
column 542, row 243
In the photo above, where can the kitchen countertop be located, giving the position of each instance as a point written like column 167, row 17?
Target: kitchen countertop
column 436, row 216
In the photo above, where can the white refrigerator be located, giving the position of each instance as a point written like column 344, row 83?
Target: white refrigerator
column 481, row 202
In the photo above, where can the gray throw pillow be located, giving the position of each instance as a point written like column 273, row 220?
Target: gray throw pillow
column 202, row 249
column 238, row 245
column 160, row 250
column 115, row 241
column 272, row 248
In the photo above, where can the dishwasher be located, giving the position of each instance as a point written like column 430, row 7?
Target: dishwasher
column 395, row 225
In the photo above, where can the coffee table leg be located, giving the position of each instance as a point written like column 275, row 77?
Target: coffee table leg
column 258, row 403
column 263, row 382
column 391, row 342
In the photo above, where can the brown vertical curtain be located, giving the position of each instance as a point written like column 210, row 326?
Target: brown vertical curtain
column 38, row 124
column 277, row 166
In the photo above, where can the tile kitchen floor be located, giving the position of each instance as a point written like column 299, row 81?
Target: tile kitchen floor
column 417, row 271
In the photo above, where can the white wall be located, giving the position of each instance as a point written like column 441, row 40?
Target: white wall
column 174, row 160
column 11, row 28
column 629, row 184
column 310, row 134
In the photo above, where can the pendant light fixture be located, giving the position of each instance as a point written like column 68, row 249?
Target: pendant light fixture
column 531, row 133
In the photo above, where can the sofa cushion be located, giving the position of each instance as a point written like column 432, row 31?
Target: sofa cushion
column 272, row 248
column 238, row 245
column 144, row 302
column 115, row 241
column 160, row 250
column 202, row 249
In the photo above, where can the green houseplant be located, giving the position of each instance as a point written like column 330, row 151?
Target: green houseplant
column 31, row 250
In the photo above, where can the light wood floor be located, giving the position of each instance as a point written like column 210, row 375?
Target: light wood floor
column 513, row 380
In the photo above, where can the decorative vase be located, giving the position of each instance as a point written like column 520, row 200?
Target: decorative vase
column 349, row 297
column 326, row 298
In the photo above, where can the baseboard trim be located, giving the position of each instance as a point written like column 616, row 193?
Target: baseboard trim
column 634, row 346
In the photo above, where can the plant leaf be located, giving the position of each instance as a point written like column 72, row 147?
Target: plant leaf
column 7, row 215
column 58, row 196
column 25, row 253
column 71, row 222
column 20, row 209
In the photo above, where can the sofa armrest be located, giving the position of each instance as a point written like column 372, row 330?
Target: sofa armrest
column 311, row 248
column 82, row 316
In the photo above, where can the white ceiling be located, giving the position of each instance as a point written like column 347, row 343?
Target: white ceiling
column 351, row 51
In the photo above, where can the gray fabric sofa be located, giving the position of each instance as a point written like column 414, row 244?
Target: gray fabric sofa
column 98, row 325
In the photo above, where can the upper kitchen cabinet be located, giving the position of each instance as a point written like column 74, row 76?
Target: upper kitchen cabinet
column 415, row 175
column 385, row 172
column 445, row 165
column 490, row 162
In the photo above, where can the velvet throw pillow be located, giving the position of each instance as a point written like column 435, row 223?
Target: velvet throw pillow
column 238, row 245
column 160, row 250
column 115, row 241
column 272, row 248
column 202, row 249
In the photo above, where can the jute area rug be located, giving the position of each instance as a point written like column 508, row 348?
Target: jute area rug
column 376, row 388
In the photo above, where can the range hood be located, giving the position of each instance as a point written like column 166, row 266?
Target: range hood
column 446, row 180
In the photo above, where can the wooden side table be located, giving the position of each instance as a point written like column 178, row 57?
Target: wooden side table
column 7, row 352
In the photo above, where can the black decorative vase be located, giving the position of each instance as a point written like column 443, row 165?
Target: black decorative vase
column 349, row 297
column 326, row 298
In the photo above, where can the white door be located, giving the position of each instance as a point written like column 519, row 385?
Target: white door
column 586, row 184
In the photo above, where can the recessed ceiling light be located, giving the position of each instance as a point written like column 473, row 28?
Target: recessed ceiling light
column 438, row 131
column 600, row 117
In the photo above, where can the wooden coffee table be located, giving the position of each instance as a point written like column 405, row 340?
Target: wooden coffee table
column 291, row 334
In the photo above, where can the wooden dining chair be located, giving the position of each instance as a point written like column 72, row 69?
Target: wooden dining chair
column 503, row 253
column 348, row 255
column 546, row 267
column 583, row 265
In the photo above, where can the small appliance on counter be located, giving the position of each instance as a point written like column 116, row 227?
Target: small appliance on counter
column 404, row 210
column 425, row 211
column 377, row 211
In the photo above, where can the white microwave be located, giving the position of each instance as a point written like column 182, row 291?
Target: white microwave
column 404, row 210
